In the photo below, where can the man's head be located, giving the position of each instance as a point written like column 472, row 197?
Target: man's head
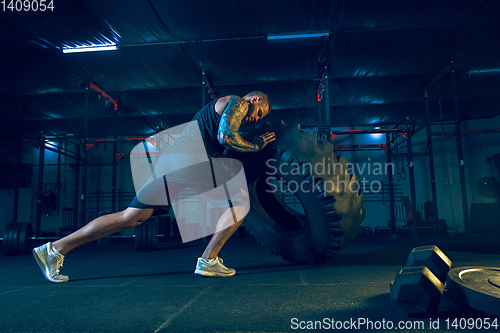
column 260, row 106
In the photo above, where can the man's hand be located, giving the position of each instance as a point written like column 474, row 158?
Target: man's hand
column 262, row 140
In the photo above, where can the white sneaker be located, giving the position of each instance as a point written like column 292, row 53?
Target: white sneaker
column 213, row 268
column 50, row 262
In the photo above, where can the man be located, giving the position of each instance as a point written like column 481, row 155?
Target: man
column 218, row 122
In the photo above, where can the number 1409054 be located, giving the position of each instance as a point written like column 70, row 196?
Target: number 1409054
column 27, row 5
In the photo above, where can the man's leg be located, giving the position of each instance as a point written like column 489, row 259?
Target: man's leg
column 209, row 264
column 232, row 217
column 219, row 238
column 101, row 227
column 50, row 256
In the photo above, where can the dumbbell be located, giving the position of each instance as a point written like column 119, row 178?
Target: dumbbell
column 418, row 288
column 432, row 258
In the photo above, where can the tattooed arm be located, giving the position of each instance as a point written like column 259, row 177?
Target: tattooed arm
column 230, row 122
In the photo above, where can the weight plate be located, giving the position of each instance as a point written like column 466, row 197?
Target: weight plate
column 21, row 239
column 6, row 231
column 151, row 235
column 5, row 236
column 478, row 286
column 148, row 235
column 144, row 226
column 15, row 238
column 495, row 280
column 149, row 240
column 24, row 240
column 6, row 239
column 138, row 238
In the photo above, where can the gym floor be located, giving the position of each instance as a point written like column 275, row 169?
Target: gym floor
column 112, row 288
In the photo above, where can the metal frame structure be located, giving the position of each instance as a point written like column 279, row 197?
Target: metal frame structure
column 458, row 134
column 88, row 142
column 405, row 130
column 42, row 146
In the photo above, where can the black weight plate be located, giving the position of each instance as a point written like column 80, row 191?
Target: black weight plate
column 6, row 231
column 478, row 286
column 148, row 235
column 138, row 238
column 150, row 232
column 21, row 239
column 151, row 235
column 24, row 240
column 15, row 238
column 144, row 226
column 6, row 239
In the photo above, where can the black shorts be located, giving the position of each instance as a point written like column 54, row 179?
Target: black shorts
column 164, row 186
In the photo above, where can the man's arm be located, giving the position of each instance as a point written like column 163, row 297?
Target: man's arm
column 230, row 123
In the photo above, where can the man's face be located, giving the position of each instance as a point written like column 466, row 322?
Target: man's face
column 256, row 112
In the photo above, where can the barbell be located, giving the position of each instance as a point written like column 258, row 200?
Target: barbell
column 18, row 237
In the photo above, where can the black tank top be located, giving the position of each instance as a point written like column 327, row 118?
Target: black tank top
column 208, row 122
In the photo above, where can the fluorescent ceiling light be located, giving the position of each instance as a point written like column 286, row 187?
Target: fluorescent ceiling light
column 90, row 48
column 491, row 70
column 320, row 34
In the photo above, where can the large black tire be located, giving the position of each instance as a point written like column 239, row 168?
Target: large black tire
column 331, row 199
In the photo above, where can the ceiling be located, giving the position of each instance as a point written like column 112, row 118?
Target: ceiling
column 379, row 54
